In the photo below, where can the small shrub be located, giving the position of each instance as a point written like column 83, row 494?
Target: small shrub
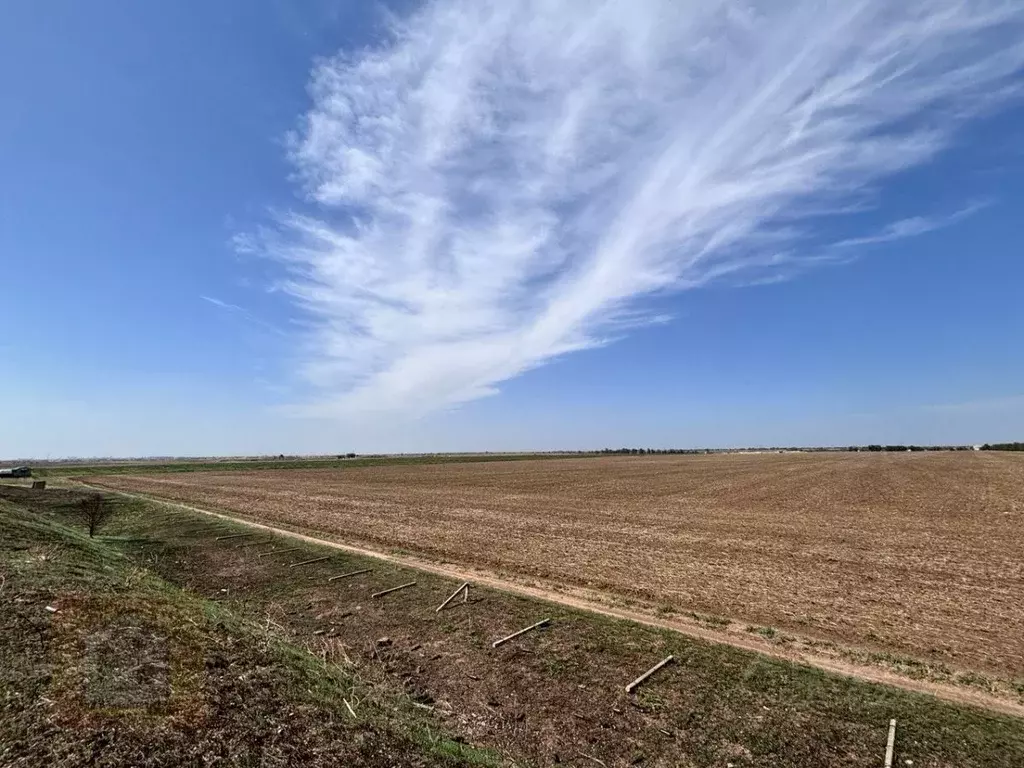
column 94, row 512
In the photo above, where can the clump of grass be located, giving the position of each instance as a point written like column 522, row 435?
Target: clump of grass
column 715, row 622
column 455, row 751
column 913, row 668
column 976, row 680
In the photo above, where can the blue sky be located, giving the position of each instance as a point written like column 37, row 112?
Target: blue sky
column 310, row 226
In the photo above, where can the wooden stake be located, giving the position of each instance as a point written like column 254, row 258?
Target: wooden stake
column 890, row 744
column 632, row 686
column 393, row 589
column 352, row 711
column 514, row 635
column 307, row 562
column 234, row 536
column 353, row 573
column 463, row 586
column 279, row 551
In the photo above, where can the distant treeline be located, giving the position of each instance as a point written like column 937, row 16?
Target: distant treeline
column 904, row 448
column 1003, row 447
column 794, row 449
column 646, row 451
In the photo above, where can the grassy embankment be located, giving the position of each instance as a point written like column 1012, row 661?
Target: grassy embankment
column 103, row 662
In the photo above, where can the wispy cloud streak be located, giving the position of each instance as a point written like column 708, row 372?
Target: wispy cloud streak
column 506, row 181
column 242, row 312
column 911, row 227
column 222, row 304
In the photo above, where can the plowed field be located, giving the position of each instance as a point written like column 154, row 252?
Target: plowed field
column 919, row 554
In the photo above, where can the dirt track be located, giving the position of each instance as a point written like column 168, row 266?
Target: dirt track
column 917, row 554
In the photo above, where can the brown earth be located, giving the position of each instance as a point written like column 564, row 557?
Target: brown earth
column 917, row 554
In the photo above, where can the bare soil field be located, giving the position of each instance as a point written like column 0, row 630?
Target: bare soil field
column 911, row 554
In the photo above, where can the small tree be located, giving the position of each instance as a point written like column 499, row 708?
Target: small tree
column 94, row 512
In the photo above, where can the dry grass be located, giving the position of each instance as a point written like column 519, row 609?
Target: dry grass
column 129, row 670
column 914, row 553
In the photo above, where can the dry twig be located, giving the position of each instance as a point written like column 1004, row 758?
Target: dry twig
column 514, row 635
column 309, row 562
column 393, row 589
column 463, row 586
column 632, row 686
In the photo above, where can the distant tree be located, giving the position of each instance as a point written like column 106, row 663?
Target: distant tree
column 94, row 512
column 874, row 448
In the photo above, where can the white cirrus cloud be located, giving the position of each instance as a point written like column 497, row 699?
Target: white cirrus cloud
column 501, row 182
column 242, row 312
column 910, row 227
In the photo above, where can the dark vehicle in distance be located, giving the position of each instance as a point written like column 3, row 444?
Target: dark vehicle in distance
column 16, row 472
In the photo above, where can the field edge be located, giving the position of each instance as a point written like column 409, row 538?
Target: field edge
column 754, row 639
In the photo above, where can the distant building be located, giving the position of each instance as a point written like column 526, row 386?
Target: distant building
column 16, row 472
